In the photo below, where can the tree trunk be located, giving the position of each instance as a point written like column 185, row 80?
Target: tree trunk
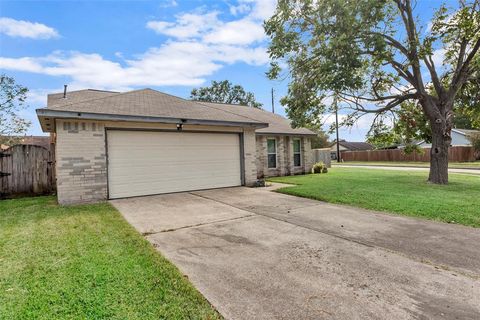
column 441, row 139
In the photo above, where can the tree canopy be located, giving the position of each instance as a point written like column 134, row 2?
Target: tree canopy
column 12, row 100
column 375, row 55
column 225, row 92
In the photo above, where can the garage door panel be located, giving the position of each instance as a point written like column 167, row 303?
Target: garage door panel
column 143, row 163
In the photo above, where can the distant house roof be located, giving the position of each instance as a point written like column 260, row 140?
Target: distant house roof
column 466, row 132
column 43, row 141
column 154, row 106
column 355, row 146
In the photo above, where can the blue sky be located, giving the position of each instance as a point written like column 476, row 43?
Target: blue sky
column 172, row 46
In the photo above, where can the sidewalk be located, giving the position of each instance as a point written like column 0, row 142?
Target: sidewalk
column 407, row 168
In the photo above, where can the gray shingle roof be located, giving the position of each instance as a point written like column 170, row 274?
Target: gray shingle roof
column 355, row 146
column 155, row 104
column 56, row 99
column 147, row 103
column 276, row 123
column 467, row 132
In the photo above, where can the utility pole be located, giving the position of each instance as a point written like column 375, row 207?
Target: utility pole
column 335, row 102
column 273, row 103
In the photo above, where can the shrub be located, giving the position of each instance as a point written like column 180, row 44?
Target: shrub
column 319, row 167
column 475, row 140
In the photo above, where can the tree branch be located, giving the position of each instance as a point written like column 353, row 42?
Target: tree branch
column 459, row 78
column 433, row 74
column 409, row 22
column 397, row 100
column 392, row 41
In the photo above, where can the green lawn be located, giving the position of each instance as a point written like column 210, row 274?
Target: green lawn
column 85, row 262
column 401, row 192
column 467, row 165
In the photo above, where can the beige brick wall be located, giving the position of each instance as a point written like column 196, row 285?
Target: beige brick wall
column 249, row 151
column 307, row 155
column 82, row 164
column 284, row 156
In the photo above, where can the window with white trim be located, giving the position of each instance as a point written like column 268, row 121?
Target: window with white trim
column 297, row 153
column 272, row 153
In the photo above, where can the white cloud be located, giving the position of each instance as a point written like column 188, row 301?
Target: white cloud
column 438, row 57
column 168, row 4
column 26, row 29
column 26, row 64
column 187, row 25
column 242, row 8
column 199, row 44
column 262, row 9
column 175, row 63
column 37, row 98
column 242, row 32
column 207, row 27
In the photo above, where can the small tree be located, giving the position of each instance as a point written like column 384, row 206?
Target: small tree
column 225, row 92
column 319, row 141
column 475, row 140
column 375, row 55
column 410, row 126
column 12, row 100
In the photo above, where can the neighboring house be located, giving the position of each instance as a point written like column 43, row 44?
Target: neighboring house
column 460, row 137
column 43, row 141
column 114, row 145
column 349, row 146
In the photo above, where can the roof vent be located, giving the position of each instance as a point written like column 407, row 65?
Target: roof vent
column 64, row 91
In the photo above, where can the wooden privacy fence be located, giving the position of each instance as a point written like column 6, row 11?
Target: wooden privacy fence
column 460, row 153
column 26, row 170
column 322, row 155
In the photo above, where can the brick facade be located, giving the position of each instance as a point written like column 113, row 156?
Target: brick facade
column 81, row 162
column 285, row 165
column 82, row 156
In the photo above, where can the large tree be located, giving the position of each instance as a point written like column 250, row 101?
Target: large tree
column 375, row 55
column 409, row 124
column 12, row 100
column 225, row 92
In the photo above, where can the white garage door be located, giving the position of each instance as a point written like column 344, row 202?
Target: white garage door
column 145, row 162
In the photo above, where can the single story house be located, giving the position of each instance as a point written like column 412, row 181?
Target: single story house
column 348, row 146
column 112, row 145
column 460, row 137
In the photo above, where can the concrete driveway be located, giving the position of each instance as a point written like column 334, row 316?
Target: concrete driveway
column 256, row 254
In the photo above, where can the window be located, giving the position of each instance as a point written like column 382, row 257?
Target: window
column 297, row 157
column 272, row 153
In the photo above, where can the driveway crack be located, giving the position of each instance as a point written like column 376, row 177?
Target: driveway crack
column 197, row 225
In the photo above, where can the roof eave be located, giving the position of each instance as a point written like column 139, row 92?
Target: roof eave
column 47, row 117
column 285, row 134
